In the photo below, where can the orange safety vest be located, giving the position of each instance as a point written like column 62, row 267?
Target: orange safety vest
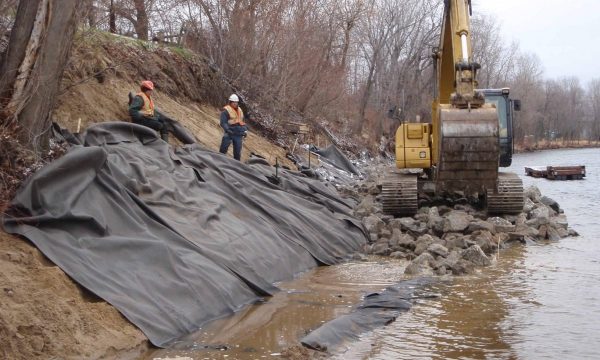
column 235, row 117
column 148, row 108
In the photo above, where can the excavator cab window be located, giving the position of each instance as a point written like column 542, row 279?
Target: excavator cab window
column 501, row 105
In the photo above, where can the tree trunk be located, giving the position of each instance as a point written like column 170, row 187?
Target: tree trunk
column 33, row 65
column 367, row 94
column 141, row 25
column 347, row 28
column 112, row 17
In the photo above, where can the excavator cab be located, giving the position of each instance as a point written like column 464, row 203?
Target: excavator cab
column 506, row 108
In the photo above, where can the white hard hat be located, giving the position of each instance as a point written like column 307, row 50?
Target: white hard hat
column 234, row 97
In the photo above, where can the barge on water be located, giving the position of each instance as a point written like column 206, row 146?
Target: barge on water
column 556, row 172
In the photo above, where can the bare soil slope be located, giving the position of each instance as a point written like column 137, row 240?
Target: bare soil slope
column 44, row 314
column 93, row 102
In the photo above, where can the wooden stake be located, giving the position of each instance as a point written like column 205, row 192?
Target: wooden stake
column 295, row 142
column 78, row 125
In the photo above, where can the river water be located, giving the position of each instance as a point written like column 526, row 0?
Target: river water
column 537, row 302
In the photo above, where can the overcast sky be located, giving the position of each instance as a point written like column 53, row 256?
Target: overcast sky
column 564, row 34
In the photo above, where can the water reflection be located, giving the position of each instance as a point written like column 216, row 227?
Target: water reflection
column 468, row 321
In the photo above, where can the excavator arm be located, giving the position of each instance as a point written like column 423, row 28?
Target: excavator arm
column 465, row 129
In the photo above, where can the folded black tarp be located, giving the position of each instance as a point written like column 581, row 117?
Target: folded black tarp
column 175, row 237
column 377, row 310
column 334, row 156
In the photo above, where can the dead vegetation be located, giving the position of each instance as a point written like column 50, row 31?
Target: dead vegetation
column 18, row 163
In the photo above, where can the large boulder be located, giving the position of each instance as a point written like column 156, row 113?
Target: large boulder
column 529, row 205
column 449, row 261
column 373, row 224
column 534, row 223
column 422, row 217
column 422, row 265
column 573, row 232
column 405, row 223
column 438, row 249
column 457, row 221
column 475, row 255
column 485, row 240
column 406, row 241
column 523, row 232
column 553, row 234
column 422, row 243
column 561, row 221
column 541, row 214
column 501, row 225
column 533, row 193
column 457, row 241
column 542, row 232
column 385, row 234
column 563, row 232
column 463, row 267
column 520, row 220
column 550, row 202
column 380, row 247
column 409, row 224
column 437, row 225
column 433, row 212
column 360, row 213
column 479, row 225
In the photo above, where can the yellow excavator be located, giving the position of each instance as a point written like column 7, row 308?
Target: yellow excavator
column 469, row 138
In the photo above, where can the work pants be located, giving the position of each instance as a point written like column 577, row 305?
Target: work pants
column 237, row 145
column 152, row 124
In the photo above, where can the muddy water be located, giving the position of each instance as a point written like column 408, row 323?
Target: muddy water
column 304, row 304
column 538, row 302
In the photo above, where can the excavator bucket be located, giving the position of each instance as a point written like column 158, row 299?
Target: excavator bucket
column 469, row 150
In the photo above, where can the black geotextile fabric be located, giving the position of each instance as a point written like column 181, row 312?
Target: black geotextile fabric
column 377, row 310
column 336, row 158
column 175, row 237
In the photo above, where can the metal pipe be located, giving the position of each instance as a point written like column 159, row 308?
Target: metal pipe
column 465, row 50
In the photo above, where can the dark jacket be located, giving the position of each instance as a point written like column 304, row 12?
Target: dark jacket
column 134, row 111
column 236, row 129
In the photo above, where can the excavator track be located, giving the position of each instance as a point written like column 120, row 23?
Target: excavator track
column 509, row 199
column 399, row 194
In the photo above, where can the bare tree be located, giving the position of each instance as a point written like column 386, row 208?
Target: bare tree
column 527, row 85
column 380, row 24
column 594, row 108
column 32, row 66
column 349, row 15
column 7, row 15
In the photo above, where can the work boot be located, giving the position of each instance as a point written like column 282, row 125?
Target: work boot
column 165, row 137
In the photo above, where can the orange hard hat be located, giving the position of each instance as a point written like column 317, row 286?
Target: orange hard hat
column 148, row 84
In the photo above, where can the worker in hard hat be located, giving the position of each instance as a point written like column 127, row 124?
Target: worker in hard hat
column 141, row 110
column 232, row 121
